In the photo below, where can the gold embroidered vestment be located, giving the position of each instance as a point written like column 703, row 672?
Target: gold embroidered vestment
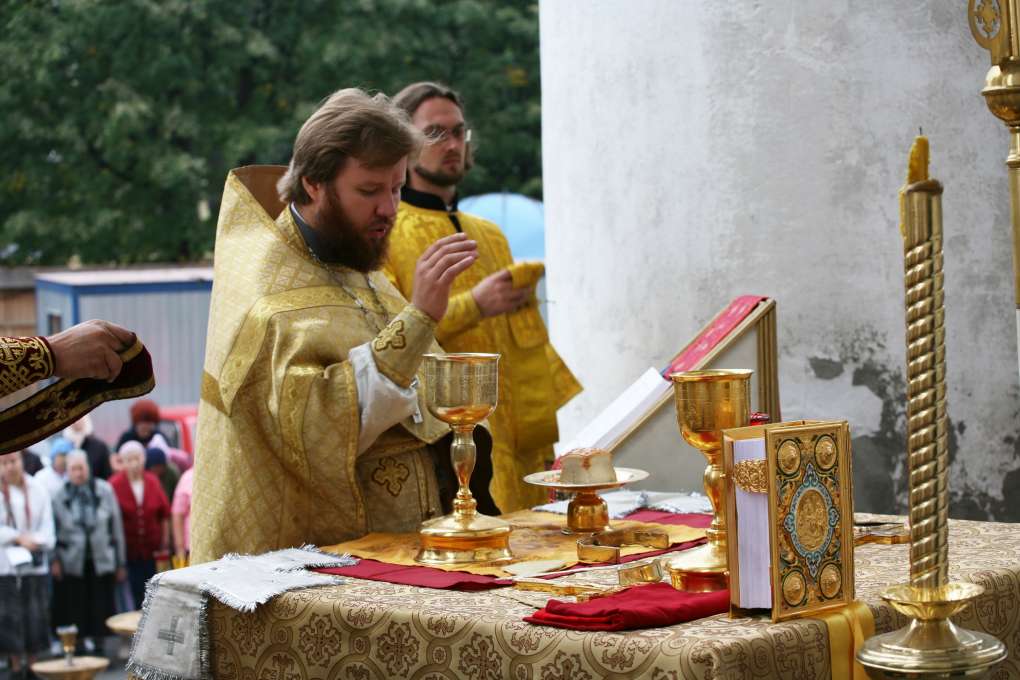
column 533, row 380
column 276, row 459
column 23, row 361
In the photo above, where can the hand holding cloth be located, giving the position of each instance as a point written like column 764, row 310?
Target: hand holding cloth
column 55, row 407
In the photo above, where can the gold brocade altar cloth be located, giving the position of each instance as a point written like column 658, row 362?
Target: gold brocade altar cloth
column 368, row 629
column 536, row 536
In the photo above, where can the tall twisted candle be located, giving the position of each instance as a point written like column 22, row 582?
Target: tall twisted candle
column 927, row 436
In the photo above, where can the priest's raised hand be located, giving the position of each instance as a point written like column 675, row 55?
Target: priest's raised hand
column 436, row 270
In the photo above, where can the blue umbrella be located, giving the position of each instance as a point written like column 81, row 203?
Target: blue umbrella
column 522, row 219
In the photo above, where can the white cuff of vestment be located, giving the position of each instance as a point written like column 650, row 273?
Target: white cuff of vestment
column 381, row 401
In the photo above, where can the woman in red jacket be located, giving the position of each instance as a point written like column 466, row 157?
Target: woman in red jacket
column 146, row 513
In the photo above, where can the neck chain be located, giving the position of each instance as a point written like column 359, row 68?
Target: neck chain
column 350, row 293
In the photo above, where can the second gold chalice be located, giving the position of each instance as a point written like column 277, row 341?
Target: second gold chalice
column 708, row 402
column 462, row 390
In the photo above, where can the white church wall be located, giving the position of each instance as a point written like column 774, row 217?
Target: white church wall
column 694, row 151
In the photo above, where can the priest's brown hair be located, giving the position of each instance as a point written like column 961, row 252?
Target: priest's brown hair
column 350, row 123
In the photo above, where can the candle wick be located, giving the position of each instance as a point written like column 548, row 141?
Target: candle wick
column 920, row 130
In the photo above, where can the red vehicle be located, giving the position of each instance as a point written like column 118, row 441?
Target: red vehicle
column 177, row 424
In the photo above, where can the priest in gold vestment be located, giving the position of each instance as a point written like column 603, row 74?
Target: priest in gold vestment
column 490, row 311
column 312, row 427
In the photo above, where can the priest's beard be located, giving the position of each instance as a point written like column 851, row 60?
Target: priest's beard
column 438, row 177
column 345, row 242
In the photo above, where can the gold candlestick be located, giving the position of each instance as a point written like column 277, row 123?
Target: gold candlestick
column 462, row 390
column 930, row 646
column 994, row 25
column 927, row 437
column 708, row 402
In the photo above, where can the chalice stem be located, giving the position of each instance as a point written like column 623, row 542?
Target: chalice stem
column 462, row 454
column 715, row 488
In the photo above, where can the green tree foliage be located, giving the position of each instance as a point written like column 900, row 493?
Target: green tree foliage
column 119, row 119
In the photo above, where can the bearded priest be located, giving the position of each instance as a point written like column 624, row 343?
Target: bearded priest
column 312, row 424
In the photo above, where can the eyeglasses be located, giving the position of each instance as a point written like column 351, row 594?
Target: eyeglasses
column 437, row 134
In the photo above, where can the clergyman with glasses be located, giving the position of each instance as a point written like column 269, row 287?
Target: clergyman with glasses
column 493, row 307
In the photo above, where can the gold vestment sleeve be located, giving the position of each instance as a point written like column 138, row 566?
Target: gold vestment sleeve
column 399, row 347
column 461, row 315
column 23, row 361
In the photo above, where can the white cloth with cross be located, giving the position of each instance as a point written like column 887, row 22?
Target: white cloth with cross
column 172, row 641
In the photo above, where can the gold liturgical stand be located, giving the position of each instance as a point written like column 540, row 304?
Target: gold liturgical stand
column 462, row 390
column 995, row 25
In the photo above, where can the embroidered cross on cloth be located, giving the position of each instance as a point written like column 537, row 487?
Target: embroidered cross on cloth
column 172, row 642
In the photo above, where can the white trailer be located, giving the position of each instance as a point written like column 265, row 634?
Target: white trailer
column 167, row 307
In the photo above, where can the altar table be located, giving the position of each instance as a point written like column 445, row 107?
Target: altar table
column 367, row 629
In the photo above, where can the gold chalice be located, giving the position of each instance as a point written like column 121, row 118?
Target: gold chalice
column 708, row 402
column 462, row 390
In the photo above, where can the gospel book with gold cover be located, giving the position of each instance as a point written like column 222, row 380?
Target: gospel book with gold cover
column 789, row 509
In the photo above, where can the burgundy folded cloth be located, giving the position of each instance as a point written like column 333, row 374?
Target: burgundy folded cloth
column 424, row 577
column 695, row 520
column 648, row 606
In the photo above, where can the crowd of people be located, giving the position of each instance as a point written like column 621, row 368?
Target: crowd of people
column 82, row 532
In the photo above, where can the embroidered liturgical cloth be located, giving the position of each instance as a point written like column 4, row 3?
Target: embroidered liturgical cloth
column 172, row 642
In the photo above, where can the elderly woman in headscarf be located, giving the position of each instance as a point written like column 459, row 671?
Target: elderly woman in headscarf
column 53, row 476
column 144, row 426
column 146, row 513
column 26, row 537
column 90, row 553
column 80, row 434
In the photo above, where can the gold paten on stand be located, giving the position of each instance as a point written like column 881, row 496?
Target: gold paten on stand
column 587, row 512
column 708, row 402
column 462, row 390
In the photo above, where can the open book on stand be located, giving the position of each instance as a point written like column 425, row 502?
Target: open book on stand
column 789, row 513
column 639, row 426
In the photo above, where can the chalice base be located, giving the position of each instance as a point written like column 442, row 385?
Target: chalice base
column 931, row 646
column 457, row 538
column 700, row 569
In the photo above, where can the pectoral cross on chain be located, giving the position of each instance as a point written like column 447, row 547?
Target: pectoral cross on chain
column 171, row 635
